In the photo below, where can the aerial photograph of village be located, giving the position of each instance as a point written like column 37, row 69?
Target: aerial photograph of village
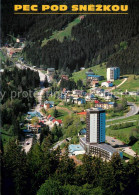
column 69, row 103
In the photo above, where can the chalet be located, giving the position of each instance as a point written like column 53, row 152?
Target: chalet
column 94, row 77
column 81, row 101
column 48, row 104
column 77, row 92
column 105, row 105
column 90, row 97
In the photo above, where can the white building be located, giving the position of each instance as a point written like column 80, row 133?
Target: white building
column 76, row 149
column 113, row 73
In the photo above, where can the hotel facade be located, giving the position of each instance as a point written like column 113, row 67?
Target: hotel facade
column 113, row 73
column 94, row 142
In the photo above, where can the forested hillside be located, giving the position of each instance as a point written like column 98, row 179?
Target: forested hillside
column 93, row 40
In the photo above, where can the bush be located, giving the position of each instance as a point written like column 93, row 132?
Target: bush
column 121, row 126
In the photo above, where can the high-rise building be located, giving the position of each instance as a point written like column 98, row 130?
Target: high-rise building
column 94, row 142
column 113, row 73
column 95, row 126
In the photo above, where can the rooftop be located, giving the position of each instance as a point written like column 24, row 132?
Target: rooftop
column 96, row 76
column 49, row 102
column 95, row 109
column 74, row 147
column 103, row 146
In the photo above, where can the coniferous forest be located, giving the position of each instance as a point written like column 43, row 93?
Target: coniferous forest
column 45, row 172
column 95, row 39
column 92, row 40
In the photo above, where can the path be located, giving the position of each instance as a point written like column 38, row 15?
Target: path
column 133, row 111
column 117, row 86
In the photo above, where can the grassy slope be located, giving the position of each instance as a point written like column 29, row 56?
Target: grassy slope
column 99, row 70
column 135, row 147
column 122, row 134
column 131, row 84
column 59, row 35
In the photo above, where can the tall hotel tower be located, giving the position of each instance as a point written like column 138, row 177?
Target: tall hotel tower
column 94, row 142
column 113, row 73
column 95, row 126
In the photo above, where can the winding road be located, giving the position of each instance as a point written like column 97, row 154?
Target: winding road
column 133, row 111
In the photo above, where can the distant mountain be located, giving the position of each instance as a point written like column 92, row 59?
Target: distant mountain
column 62, row 41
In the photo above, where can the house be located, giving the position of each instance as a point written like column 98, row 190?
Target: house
column 94, row 83
column 91, row 77
column 77, row 92
column 98, row 91
column 48, row 104
column 76, row 149
column 50, row 71
column 89, row 72
column 36, row 128
column 81, row 101
column 105, row 105
column 62, row 96
column 82, row 68
column 82, row 132
column 69, row 98
column 107, row 84
column 109, row 96
column 133, row 93
column 90, row 97
column 57, row 122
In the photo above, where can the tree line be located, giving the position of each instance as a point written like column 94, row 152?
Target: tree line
column 17, row 88
column 44, row 171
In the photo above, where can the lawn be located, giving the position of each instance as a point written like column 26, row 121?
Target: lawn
column 61, row 113
column 121, row 134
column 132, row 84
column 135, row 147
column 99, row 70
column 6, row 136
column 59, row 35
column 56, row 101
column 135, row 117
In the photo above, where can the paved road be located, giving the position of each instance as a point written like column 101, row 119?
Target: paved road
column 133, row 111
column 120, row 145
column 121, row 122
column 42, row 75
column 58, row 144
column 26, row 146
